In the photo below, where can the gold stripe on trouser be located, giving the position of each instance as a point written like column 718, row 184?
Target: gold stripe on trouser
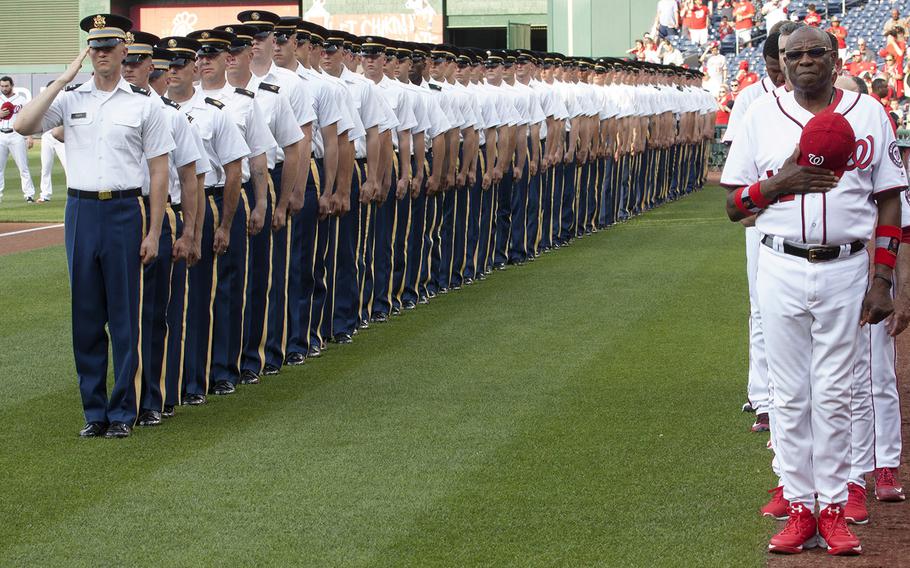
column 479, row 215
column 426, row 172
column 541, row 180
column 314, row 171
column 246, row 276
column 407, row 234
column 552, row 202
column 268, row 287
column 287, row 268
column 357, row 251
column 578, row 176
column 186, row 300
column 137, row 378
column 396, row 168
column 172, row 223
column 366, row 212
column 216, row 220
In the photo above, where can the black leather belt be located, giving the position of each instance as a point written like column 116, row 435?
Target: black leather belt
column 814, row 253
column 6, row 130
column 105, row 194
column 216, row 190
column 175, row 207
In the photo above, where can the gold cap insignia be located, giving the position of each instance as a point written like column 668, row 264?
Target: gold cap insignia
column 229, row 29
column 99, row 21
column 255, row 15
column 204, row 35
column 130, row 38
column 172, row 43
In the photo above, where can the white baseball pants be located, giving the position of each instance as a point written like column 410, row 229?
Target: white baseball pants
column 757, row 388
column 49, row 147
column 14, row 144
column 876, row 435
column 810, row 318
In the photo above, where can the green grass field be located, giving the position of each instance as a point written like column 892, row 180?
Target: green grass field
column 14, row 208
column 579, row 411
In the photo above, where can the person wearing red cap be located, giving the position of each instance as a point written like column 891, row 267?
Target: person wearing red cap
column 12, row 143
column 822, row 172
column 745, row 76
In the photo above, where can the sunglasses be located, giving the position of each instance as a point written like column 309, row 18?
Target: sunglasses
column 814, row 53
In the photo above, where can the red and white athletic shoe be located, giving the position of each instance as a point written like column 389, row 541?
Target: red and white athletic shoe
column 887, row 487
column 800, row 532
column 778, row 507
column 835, row 535
column 762, row 423
column 855, row 511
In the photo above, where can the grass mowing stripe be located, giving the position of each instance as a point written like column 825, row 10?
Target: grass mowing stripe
column 15, row 209
column 579, row 410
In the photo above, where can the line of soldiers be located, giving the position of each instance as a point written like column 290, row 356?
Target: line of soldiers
column 337, row 180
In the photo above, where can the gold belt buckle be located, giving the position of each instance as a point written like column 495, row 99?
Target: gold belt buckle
column 105, row 195
column 814, row 253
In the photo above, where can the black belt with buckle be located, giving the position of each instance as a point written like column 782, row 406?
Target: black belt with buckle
column 216, row 190
column 104, row 195
column 6, row 130
column 175, row 207
column 814, row 253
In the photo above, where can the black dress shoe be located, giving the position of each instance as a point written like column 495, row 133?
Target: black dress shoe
column 168, row 411
column 380, row 317
column 468, row 281
column 295, row 359
column 443, row 290
column 431, row 294
column 423, row 300
column 194, row 399
column 396, row 311
column 249, row 378
column 314, row 352
column 482, row 276
column 118, row 430
column 222, row 388
column 410, row 304
column 363, row 324
column 343, row 339
column 270, row 370
column 93, row 430
column 150, row 418
column 456, row 287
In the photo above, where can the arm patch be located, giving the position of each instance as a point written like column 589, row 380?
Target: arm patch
column 244, row 92
column 269, row 87
column 215, row 103
column 72, row 87
column 139, row 90
column 170, row 103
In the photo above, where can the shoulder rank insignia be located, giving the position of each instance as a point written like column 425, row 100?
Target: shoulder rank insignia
column 435, row 87
column 215, row 103
column 139, row 90
column 170, row 103
column 269, row 87
column 244, row 92
column 72, row 87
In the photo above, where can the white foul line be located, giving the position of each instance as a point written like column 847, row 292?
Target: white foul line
column 23, row 231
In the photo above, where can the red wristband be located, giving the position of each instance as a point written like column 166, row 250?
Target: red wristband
column 738, row 201
column 758, row 198
column 885, row 257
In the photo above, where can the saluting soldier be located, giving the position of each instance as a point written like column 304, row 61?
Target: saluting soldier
column 217, row 52
column 111, row 131
column 184, row 164
column 224, row 148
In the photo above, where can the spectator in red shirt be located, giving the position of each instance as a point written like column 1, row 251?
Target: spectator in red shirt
column 895, row 46
column 840, row 32
column 895, row 76
column 734, row 88
column 638, row 52
column 881, row 92
column 724, row 104
column 743, row 13
column 724, row 28
column 698, row 23
column 857, row 65
column 744, row 76
column 812, row 18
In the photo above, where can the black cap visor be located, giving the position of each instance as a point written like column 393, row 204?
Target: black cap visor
column 104, row 43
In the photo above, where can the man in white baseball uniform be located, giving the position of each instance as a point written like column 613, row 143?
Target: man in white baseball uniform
column 10, row 141
column 817, row 205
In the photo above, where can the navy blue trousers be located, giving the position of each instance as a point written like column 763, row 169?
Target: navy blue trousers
column 102, row 252
column 346, row 298
column 259, row 287
column 415, row 242
column 176, row 325
column 202, row 279
column 384, row 230
column 276, row 314
column 472, row 235
column 504, row 192
column 156, row 291
column 518, row 249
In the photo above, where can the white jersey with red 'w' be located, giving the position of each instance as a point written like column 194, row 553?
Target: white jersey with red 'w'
column 771, row 131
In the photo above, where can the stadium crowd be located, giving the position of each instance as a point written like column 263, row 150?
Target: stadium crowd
column 883, row 71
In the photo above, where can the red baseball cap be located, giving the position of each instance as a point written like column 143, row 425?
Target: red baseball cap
column 827, row 142
column 8, row 106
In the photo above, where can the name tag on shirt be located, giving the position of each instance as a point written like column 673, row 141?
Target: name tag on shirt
column 78, row 115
